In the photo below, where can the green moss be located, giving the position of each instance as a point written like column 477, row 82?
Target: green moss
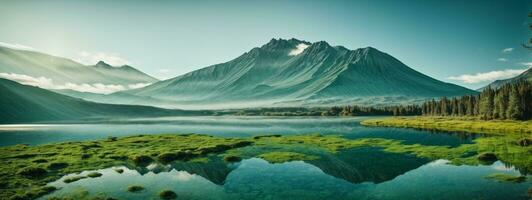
column 504, row 146
column 32, row 172
column 134, row 150
column 167, row 194
column 507, row 178
column 93, row 155
column 179, row 155
column 135, row 188
column 73, row 179
column 34, row 193
column 462, row 124
column 280, row 157
column 57, row 165
column 142, row 160
column 94, row 174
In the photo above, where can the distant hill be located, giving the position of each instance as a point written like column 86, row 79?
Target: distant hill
column 525, row 76
column 22, row 103
column 295, row 72
column 61, row 71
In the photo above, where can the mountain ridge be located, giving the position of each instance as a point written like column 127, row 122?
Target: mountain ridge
column 319, row 71
column 60, row 71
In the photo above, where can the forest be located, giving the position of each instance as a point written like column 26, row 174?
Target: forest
column 511, row 101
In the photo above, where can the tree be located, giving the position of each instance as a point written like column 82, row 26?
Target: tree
column 515, row 110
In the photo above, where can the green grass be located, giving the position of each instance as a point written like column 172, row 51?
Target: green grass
column 280, row 157
column 460, row 124
column 20, row 173
column 94, row 174
column 23, row 177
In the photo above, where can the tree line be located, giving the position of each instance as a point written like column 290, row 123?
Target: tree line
column 510, row 101
column 354, row 110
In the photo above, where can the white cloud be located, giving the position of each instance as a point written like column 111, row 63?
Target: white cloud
column 527, row 64
column 29, row 80
column 488, row 76
column 48, row 83
column 502, row 59
column 92, row 88
column 91, row 58
column 164, row 70
column 16, row 46
column 299, row 49
column 507, row 50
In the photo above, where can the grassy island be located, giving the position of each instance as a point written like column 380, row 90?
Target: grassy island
column 460, row 124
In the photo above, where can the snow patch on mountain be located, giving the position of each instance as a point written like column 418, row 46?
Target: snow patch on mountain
column 299, row 49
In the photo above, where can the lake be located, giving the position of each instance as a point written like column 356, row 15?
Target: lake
column 225, row 126
column 359, row 173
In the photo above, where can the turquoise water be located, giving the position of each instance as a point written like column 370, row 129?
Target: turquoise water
column 224, row 126
column 257, row 179
column 360, row 173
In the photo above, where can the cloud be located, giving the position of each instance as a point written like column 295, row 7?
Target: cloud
column 527, row 64
column 507, row 50
column 164, row 70
column 488, row 76
column 48, row 83
column 29, row 80
column 502, row 59
column 91, row 58
column 299, row 49
column 92, row 88
column 16, row 46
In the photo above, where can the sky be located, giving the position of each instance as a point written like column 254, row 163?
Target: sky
column 469, row 43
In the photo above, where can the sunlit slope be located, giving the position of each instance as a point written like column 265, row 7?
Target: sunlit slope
column 62, row 70
column 21, row 103
column 320, row 72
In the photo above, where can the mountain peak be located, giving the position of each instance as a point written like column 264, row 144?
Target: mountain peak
column 277, row 44
column 101, row 63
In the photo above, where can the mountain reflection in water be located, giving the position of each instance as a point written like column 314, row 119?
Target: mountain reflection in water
column 364, row 173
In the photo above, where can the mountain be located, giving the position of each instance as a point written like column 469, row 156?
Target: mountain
column 22, row 103
column 295, row 72
column 525, row 76
column 60, row 73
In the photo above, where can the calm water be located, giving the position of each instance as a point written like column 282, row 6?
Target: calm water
column 224, row 126
column 360, row 173
column 411, row 178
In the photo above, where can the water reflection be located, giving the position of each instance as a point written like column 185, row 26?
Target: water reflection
column 363, row 177
column 225, row 126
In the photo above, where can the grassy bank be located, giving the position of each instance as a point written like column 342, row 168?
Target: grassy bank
column 459, row 124
column 25, row 170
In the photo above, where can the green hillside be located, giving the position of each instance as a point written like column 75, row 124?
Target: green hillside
column 62, row 70
column 21, row 103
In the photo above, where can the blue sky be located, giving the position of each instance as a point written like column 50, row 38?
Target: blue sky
column 464, row 42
